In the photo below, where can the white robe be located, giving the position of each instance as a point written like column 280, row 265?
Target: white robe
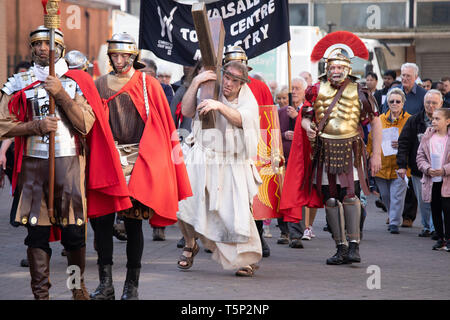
column 224, row 181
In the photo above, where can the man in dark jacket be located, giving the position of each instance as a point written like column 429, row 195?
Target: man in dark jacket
column 408, row 143
column 388, row 80
column 446, row 91
column 413, row 92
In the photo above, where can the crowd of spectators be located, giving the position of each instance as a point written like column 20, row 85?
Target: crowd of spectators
column 406, row 104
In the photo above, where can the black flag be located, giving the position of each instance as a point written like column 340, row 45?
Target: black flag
column 167, row 29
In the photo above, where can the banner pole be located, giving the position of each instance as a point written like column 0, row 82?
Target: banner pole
column 289, row 72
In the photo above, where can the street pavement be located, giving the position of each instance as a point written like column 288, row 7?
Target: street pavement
column 400, row 267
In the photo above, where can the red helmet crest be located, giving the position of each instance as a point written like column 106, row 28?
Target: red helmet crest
column 344, row 40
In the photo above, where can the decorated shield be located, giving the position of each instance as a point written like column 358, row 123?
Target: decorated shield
column 270, row 165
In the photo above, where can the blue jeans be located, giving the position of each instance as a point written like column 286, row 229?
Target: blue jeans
column 393, row 192
column 425, row 208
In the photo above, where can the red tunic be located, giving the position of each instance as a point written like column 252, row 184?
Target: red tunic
column 296, row 193
column 159, row 178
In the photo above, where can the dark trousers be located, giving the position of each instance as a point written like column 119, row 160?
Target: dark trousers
column 103, row 237
column 72, row 238
column 294, row 230
column 9, row 173
column 283, row 226
column 440, row 205
column 410, row 207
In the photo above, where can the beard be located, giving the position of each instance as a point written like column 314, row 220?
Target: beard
column 336, row 78
column 44, row 61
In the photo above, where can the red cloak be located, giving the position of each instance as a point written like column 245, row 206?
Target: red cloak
column 261, row 92
column 106, row 189
column 296, row 193
column 159, row 178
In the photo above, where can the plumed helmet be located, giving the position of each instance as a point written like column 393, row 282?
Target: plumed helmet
column 76, row 60
column 233, row 53
column 125, row 43
column 338, row 48
column 43, row 33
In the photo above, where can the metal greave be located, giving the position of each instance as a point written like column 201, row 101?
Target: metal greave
column 352, row 215
column 336, row 221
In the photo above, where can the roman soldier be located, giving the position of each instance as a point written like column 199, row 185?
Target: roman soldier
column 78, row 127
column 332, row 168
column 148, row 146
column 77, row 60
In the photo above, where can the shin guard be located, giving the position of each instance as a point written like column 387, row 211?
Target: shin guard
column 352, row 215
column 335, row 220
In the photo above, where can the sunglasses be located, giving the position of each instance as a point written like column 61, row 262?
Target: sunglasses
column 395, row 101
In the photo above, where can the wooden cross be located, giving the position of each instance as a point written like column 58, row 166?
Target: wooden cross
column 211, row 37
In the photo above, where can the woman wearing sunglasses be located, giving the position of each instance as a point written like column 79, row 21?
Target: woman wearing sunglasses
column 392, row 188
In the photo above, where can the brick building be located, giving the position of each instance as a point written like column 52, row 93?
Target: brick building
column 86, row 26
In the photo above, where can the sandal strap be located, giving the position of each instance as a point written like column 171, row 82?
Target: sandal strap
column 246, row 271
column 188, row 249
column 184, row 258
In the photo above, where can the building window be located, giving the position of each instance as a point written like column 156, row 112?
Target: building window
column 433, row 14
column 298, row 14
column 360, row 16
column 133, row 7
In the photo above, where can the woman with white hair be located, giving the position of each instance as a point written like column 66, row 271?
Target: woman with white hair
column 392, row 188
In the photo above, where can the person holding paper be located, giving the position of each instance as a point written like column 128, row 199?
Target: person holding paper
column 433, row 159
column 392, row 188
column 408, row 144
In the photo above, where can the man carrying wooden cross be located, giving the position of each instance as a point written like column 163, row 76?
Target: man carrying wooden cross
column 223, row 176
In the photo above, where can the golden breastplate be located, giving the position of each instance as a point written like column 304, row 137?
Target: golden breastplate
column 344, row 119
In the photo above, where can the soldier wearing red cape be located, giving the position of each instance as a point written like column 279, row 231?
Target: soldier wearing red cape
column 84, row 144
column 151, row 159
column 337, row 109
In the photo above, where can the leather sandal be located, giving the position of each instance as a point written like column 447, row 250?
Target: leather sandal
column 247, row 271
column 189, row 260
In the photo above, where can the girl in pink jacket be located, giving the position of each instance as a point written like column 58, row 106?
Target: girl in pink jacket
column 433, row 159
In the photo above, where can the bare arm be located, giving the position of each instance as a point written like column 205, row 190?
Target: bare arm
column 35, row 127
column 306, row 125
column 3, row 149
column 71, row 108
column 232, row 115
column 189, row 101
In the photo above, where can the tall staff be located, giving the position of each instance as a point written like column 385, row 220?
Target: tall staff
column 289, row 72
column 52, row 21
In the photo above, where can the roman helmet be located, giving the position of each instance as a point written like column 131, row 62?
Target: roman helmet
column 339, row 48
column 124, row 43
column 43, row 33
column 76, row 60
column 236, row 53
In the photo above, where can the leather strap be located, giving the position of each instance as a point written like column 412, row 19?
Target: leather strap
column 367, row 100
column 333, row 103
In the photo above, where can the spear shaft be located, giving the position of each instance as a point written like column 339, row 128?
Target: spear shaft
column 52, row 21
